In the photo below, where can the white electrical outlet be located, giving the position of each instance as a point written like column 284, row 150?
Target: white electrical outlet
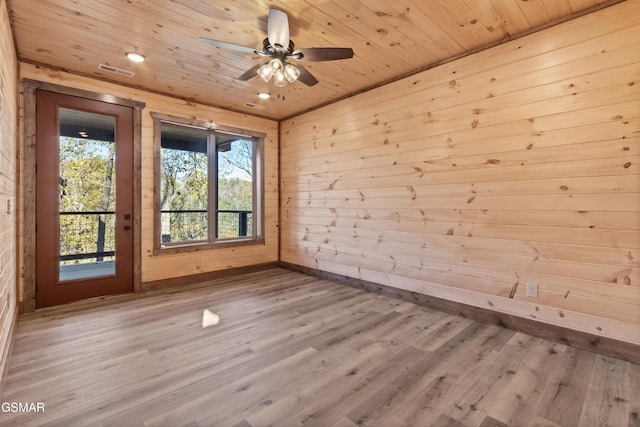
column 532, row 290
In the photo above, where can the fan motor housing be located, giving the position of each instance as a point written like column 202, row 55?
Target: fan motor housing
column 270, row 50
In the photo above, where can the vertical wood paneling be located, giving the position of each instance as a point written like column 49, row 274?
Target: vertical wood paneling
column 8, row 184
column 515, row 165
column 167, row 266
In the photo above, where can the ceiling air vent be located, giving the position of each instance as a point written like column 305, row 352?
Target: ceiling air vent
column 115, row 70
column 252, row 105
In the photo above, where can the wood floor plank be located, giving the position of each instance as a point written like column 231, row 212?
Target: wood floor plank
column 478, row 391
column 632, row 376
column 491, row 422
column 281, row 411
column 356, row 388
column 294, row 350
column 563, row 396
column 607, row 398
column 517, row 400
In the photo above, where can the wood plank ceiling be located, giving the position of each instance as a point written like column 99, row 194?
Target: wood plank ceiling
column 390, row 38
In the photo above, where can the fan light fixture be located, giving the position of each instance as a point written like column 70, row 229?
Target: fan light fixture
column 279, row 49
column 281, row 71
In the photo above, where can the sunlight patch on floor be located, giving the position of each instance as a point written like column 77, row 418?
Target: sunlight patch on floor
column 209, row 318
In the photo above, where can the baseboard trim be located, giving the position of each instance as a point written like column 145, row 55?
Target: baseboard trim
column 6, row 355
column 578, row 339
column 203, row 277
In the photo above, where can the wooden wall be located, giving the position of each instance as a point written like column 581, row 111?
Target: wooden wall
column 467, row 181
column 8, row 184
column 168, row 266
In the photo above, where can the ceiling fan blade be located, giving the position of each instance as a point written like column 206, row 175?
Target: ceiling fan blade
column 250, row 73
column 306, row 77
column 278, row 29
column 315, row 54
column 230, row 46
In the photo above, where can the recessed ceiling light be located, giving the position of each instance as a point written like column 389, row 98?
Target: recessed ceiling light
column 264, row 95
column 135, row 57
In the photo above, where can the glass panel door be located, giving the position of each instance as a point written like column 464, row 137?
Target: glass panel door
column 84, row 198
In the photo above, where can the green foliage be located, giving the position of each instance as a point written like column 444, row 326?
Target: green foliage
column 185, row 187
column 184, row 180
column 235, row 194
column 86, row 185
column 83, row 165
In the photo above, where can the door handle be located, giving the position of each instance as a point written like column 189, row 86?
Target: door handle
column 127, row 227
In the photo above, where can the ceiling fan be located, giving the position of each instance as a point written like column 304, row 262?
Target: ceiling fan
column 280, row 49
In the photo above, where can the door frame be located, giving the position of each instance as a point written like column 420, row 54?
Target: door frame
column 29, row 182
column 52, row 288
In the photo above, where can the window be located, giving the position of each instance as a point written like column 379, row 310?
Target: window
column 208, row 185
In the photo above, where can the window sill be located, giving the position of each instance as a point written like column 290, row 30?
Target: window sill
column 206, row 246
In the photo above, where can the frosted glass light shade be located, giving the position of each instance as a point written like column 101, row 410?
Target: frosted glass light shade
column 265, row 72
column 291, row 73
column 279, row 78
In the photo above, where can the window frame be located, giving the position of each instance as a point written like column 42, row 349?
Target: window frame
column 213, row 129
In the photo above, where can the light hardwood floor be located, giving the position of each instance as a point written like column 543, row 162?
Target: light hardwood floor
column 295, row 350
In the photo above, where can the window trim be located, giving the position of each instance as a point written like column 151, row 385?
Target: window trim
column 258, row 139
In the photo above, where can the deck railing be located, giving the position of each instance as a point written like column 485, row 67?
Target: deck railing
column 234, row 223
column 190, row 225
column 87, row 235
